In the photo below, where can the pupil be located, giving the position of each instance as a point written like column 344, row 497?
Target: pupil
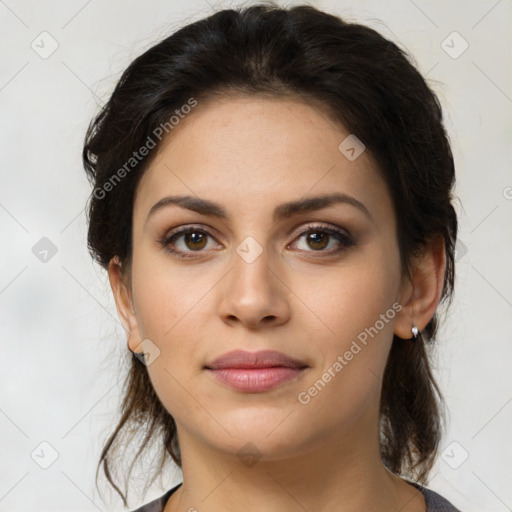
column 195, row 238
column 315, row 238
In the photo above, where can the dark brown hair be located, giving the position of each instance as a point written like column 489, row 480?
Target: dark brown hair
column 366, row 83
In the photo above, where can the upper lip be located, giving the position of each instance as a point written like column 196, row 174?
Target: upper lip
column 261, row 359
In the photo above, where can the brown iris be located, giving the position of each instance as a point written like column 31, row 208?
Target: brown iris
column 195, row 240
column 318, row 239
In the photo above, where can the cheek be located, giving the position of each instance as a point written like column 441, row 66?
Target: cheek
column 167, row 296
column 167, row 306
column 349, row 298
column 354, row 315
column 171, row 303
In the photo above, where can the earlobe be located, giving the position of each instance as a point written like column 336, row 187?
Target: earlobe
column 421, row 296
column 124, row 303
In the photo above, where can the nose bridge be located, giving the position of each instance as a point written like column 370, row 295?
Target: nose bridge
column 251, row 273
column 253, row 292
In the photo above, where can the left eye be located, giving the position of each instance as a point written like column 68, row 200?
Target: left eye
column 320, row 237
column 194, row 240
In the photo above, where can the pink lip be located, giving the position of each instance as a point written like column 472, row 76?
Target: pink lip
column 255, row 371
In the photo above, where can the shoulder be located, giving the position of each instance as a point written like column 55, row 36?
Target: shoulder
column 435, row 502
column 158, row 504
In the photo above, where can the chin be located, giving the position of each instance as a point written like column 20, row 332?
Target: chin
column 269, row 430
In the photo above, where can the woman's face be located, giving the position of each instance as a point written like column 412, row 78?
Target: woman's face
column 265, row 275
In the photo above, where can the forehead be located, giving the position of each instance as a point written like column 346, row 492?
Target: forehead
column 253, row 151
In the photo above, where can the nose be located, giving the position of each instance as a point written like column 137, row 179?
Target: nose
column 254, row 295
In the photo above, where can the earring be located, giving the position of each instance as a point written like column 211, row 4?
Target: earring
column 415, row 332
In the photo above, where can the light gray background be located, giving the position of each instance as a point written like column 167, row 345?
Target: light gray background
column 62, row 345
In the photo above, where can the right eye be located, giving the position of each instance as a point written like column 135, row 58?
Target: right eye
column 184, row 241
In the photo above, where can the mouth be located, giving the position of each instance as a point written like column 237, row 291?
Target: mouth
column 254, row 372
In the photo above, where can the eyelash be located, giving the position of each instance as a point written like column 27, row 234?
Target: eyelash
column 346, row 240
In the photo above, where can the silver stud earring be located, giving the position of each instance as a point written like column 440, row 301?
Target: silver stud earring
column 415, row 332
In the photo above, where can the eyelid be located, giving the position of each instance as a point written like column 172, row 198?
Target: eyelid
column 182, row 230
column 321, row 226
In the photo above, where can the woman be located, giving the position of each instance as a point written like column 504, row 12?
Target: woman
column 272, row 201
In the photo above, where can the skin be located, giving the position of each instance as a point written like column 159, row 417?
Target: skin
column 251, row 154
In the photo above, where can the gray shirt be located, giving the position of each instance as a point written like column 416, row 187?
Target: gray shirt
column 435, row 502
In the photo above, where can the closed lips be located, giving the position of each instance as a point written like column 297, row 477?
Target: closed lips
column 253, row 360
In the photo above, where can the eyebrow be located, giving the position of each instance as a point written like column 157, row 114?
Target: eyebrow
column 283, row 211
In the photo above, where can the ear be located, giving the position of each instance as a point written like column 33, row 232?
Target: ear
column 420, row 297
column 124, row 304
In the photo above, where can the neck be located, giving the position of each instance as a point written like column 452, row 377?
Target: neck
column 343, row 474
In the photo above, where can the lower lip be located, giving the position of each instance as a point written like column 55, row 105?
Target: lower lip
column 254, row 380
